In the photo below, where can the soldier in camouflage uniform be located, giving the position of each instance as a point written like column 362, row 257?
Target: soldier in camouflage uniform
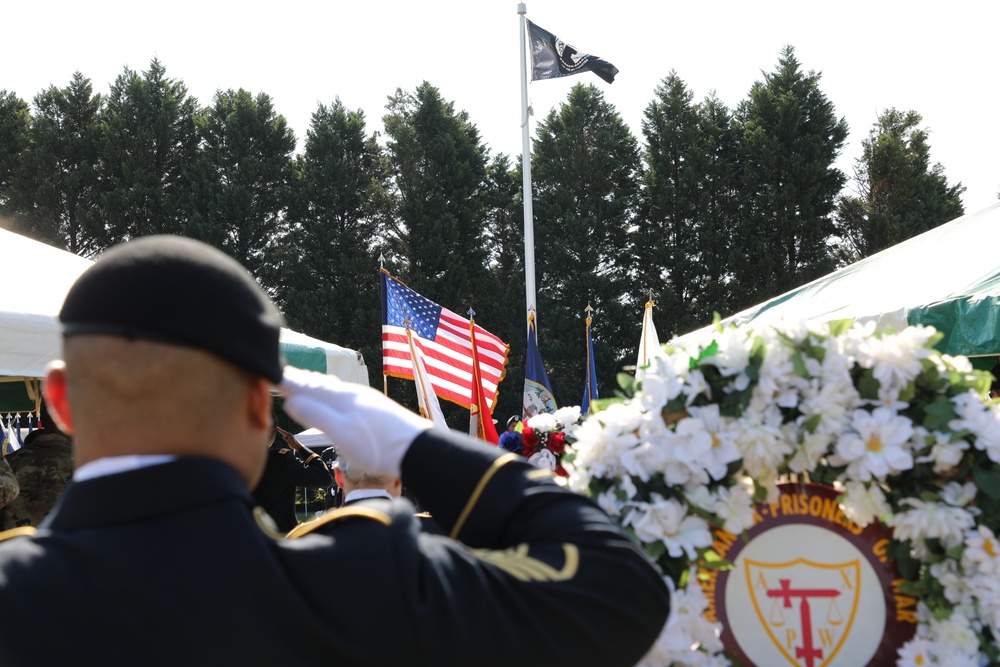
column 8, row 483
column 43, row 467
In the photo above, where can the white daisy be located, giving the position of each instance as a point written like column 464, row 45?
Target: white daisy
column 876, row 446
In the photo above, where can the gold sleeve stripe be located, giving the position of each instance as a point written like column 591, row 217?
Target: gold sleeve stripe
column 541, row 473
column 517, row 563
column 478, row 491
column 17, row 532
column 337, row 515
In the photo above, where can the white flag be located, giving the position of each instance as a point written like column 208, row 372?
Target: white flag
column 429, row 406
column 649, row 344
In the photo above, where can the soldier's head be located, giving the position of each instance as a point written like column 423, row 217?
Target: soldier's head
column 352, row 476
column 169, row 347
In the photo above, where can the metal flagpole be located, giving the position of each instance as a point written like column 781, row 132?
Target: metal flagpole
column 529, row 232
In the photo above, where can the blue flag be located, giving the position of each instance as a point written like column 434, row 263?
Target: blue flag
column 538, row 396
column 590, row 386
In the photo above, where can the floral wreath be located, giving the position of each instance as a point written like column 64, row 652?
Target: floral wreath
column 903, row 432
column 545, row 437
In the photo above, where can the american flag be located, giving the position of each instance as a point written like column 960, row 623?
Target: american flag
column 444, row 341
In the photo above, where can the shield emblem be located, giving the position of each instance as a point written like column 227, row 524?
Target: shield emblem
column 806, row 608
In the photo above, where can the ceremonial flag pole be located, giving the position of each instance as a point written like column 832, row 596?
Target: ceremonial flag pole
column 590, row 386
column 480, row 416
column 529, row 229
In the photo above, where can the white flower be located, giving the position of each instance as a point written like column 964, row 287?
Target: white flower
column 568, row 417
column 760, row 440
column 958, row 495
column 955, row 639
column 895, row 359
column 930, row 520
column 876, row 446
column 663, row 380
column 722, row 450
column 603, row 437
column 864, row 504
column 982, row 420
column 956, row 584
column 667, row 521
column 735, row 508
column 609, row 502
column 982, row 551
column 543, row 422
column 945, row 454
column 544, row 459
column 915, row 653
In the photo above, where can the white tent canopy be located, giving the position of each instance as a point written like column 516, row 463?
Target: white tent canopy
column 37, row 278
column 947, row 277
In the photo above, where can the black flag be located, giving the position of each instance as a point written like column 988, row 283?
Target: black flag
column 551, row 57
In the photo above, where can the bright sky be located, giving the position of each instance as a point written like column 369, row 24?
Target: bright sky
column 939, row 60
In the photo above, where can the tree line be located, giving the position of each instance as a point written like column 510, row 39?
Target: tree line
column 712, row 210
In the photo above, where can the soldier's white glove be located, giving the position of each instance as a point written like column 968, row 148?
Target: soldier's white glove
column 368, row 428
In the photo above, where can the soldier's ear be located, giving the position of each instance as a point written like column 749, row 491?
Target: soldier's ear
column 56, row 397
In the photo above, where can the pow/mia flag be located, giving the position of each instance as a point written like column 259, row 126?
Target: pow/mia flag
column 551, row 58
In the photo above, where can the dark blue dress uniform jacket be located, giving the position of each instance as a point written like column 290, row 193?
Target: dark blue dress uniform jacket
column 167, row 565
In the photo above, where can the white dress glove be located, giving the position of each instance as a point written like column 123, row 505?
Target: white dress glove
column 368, row 428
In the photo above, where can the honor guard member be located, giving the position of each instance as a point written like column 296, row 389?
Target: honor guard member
column 287, row 468
column 153, row 555
column 8, row 480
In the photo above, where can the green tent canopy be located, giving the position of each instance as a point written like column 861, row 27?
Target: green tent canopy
column 947, row 277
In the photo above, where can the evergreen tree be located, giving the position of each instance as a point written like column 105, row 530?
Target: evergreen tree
column 244, row 176
column 789, row 138
column 151, row 143
column 59, row 174
column 683, row 236
column 15, row 118
column 505, row 228
column 339, row 210
column 900, row 194
column 586, row 176
column 440, row 179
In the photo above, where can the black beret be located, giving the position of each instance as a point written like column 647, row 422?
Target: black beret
column 180, row 291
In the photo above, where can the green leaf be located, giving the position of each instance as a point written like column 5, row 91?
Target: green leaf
column 988, row 480
column 868, row 385
column 838, row 327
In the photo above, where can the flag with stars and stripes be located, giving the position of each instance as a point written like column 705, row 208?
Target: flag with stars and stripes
column 445, row 344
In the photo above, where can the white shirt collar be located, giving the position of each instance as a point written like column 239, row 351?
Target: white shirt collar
column 360, row 494
column 110, row 465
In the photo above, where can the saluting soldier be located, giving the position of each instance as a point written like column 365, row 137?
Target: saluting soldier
column 154, row 557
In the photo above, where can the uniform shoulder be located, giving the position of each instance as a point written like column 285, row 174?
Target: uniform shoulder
column 339, row 515
column 17, row 532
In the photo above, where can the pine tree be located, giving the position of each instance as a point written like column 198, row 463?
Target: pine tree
column 440, row 180
column 900, row 194
column 683, row 236
column 244, row 172
column 59, row 174
column 151, row 143
column 340, row 207
column 789, row 139
column 586, row 175
column 15, row 118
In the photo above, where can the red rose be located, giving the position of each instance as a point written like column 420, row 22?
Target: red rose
column 557, row 443
column 529, row 448
column 561, row 471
